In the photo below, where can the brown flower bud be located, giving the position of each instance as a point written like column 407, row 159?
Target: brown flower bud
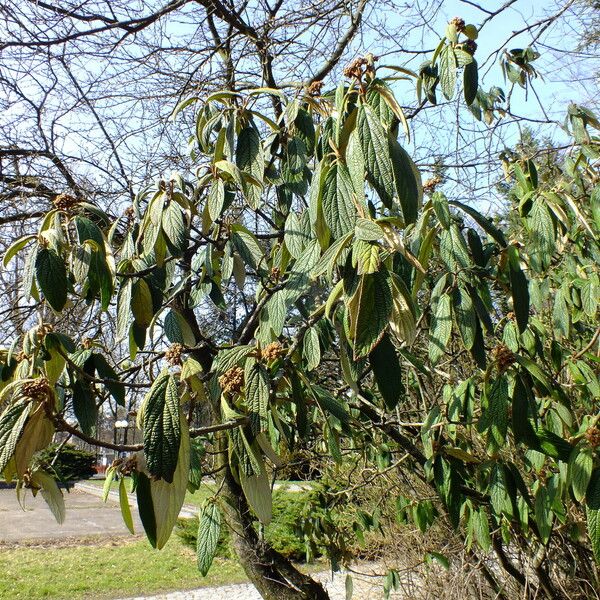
column 592, row 435
column 458, row 23
column 38, row 389
column 504, row 357
column 272, row 351
column 314, row 89
column 65, row 202
column 173, row 354
column 232, row 381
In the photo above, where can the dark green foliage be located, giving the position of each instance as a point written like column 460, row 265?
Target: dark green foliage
column 72, row 464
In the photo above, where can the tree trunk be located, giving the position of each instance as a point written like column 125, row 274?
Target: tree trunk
column 273, row 575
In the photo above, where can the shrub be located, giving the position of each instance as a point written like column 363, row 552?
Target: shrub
column 72, row 464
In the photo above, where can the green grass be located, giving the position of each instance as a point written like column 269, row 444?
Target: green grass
column 107, row 570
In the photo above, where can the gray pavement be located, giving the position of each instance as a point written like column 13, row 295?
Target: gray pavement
column 86, row 515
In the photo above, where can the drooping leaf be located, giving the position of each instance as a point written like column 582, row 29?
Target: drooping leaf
column 337, row 201
column 51, row 277
column 369, row 311
column 387, row 372
column 209, row 529
column 162, row 431
column 375, row 149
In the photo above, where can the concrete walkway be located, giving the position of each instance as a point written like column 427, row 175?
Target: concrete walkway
column 188, row 511
column 366, row 586
column 86, row 515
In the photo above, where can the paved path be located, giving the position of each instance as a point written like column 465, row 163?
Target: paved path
column 366, row 586
column 187, row 511
column 86, row 515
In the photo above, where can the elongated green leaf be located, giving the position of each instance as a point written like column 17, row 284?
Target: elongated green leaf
column 519, row 288
column 407, row 180
column 311, row 349
column 209, row 529
column 51, row 276
column 162, row 432
column 141, row 303
column 124, row 309
column 125, row 508
column 337, row 201
column 257, row 387
column 231, row 357
column 167, row 498
column 579, row 471
column 470, row 81
column 375, row 149
column 387, row 372
column 485, row 223
column 12, row 422
column 369, row 312
column 173, row 227
column 465, row 317
column 51, row 494
column 15, row 248
column 258, row 493
column 178, row 330
column 447, row 70
column 441, row 328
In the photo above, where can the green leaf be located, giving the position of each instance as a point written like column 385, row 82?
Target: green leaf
column 51, row 276
column 294, row 237
column 519, row 288
column 407, row 180
column 51, row 494
column 84, row 407
column 12, row 421
column 581, row 464
column 337, row 201
column 209, row 529
column 173, row 227
column 231, row 357
column 375, row 148
column 311, row 349
column 161, row 423
column 257, row 490
column 109, row 477
column 141, row 303
column 387, row 372
column 125, row 508
column 440, row 206
column 369, row 312
column 464, row 314
column 499, row 497
column 250, row 159
column 167, row 498
column 470, row 82
column 15, row 248
column 367, row 230
column 124, row 309
column 447, row 69
column 248, row 247
column 178, row 330
column 544, row 517
column 593, row 527
column 441, row 328
column 257, row 388
column 105, row 371
column 483, row 222
column 216, row 199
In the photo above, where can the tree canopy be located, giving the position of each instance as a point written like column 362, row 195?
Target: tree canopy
column 296, row 284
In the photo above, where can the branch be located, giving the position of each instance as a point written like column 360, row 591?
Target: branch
column 342, row 45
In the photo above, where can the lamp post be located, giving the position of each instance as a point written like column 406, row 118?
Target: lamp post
column 122, row 425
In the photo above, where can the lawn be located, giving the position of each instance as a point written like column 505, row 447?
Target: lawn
column 110, row 569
